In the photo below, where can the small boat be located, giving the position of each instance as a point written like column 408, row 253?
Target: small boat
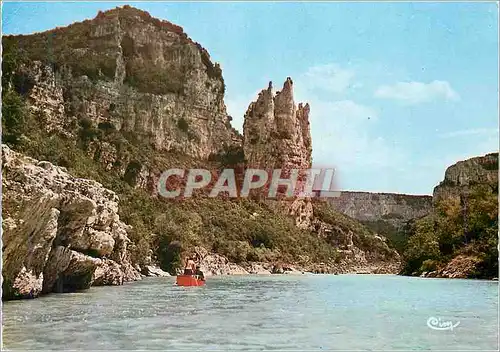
column 189, row 280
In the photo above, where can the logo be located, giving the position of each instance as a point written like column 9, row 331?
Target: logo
column 239, row 183
column 438, row 324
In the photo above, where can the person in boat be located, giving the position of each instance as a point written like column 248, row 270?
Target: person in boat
column 199, row 273
column 190, row 267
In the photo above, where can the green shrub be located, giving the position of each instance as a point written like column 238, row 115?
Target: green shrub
column 106, row 126
column 14, row 117
column 183, row 125
column 170, row 255
column 428, row 265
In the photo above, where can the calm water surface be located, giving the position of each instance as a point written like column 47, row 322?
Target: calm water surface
column 305, row 312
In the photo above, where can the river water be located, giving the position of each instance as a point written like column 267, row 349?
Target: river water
column 303, row 312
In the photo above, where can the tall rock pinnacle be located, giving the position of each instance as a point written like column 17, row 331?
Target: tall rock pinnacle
column 276, row 135
column 276, row 132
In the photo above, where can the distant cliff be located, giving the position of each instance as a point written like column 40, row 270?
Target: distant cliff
column 384, row 213
column 395, row 209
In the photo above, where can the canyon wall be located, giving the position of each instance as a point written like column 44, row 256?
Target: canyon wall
column 390, row 208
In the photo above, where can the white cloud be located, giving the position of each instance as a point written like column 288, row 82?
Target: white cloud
column 417, row 92
column 330, row 77
column 344, row 134
column 470, row 132
column 341, row 134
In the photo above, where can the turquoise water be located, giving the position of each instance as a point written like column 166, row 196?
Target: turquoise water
column 313, row 312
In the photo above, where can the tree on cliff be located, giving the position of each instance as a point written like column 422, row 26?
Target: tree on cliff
column 465, row 225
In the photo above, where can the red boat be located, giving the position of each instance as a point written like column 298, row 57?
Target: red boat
column 189, row 280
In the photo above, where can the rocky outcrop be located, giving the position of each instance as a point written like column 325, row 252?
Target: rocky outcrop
column 460, row 267
column 127, row 71
column 137, row 96
column 393, row 209
column 462, row 176
column 151, row 270
column 276, row 131
column 60, row 233
column 276, row 135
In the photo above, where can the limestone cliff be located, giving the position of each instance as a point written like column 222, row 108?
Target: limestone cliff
column 385, row 213
column 127, row 71
column 60, row 233
column 462, row 176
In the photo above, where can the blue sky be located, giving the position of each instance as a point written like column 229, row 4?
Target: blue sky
column 398, row 91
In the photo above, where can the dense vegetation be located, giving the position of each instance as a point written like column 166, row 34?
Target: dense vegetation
column 465, row 225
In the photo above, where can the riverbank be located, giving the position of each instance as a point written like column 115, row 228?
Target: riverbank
column 351, row 262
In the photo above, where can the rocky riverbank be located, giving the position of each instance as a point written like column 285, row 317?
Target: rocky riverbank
column 60, row 233
column 354, row 263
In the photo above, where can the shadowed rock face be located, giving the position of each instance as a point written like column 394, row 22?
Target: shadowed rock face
column 465, row 204
column 127, row 70
column 60, row 233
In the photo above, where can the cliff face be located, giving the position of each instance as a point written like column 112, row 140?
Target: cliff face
column 464, row 175
column 393, row 209
column 276, row 135
column 127, row 71
column 60, row 233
